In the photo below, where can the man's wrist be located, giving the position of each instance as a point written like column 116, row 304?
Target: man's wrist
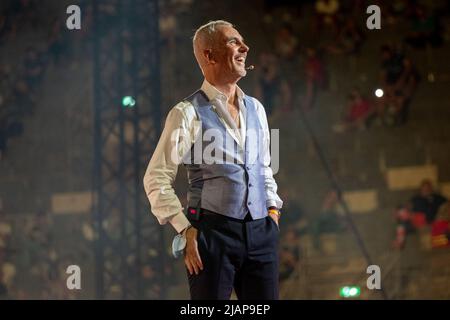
column 183, row 232
column 274, row 211
column 179, row 222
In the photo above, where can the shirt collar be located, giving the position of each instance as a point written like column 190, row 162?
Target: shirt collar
column 213, row 93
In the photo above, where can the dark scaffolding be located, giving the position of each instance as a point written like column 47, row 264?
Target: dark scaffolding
column 129, row 246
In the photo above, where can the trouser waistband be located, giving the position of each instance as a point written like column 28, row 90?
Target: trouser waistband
column 204, row 212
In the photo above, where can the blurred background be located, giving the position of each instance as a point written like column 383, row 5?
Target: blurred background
column 81, row 113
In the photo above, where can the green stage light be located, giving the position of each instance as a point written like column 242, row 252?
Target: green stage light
column 350, row 292
column 128, row 101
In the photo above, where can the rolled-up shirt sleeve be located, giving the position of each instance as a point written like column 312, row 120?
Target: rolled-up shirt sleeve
column 174, row 143
column 271, row 187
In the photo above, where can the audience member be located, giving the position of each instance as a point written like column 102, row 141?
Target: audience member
column 425, row 29
column 349, row 39
column 427, row 201
column 358, row 113
column 420, row 211
column 329, row 219
column 405, row 88
column 399, row 78
column 440, row 232
column 286, row 42
column 271, row 88
column 391, row 66
column 316, row 77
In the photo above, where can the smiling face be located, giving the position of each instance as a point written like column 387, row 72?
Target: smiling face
column 229, row 54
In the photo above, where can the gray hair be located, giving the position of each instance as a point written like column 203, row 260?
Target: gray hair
column 205, row 35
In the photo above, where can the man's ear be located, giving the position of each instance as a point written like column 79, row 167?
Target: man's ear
column 207, row 53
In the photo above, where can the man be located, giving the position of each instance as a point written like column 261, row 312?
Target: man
column 231, row 225
column 427, row 201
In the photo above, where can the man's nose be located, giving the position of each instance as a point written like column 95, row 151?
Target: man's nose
column 244, row 48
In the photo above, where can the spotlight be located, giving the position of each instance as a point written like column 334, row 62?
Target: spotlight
column 379, row 93
column 128, row 101
column 350, row 292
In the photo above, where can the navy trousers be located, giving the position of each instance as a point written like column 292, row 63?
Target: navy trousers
column 239, row 254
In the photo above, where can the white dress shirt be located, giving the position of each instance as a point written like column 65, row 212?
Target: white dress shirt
column 179, row 134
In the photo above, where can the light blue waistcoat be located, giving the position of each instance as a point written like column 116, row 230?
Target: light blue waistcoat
column 231, row 189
